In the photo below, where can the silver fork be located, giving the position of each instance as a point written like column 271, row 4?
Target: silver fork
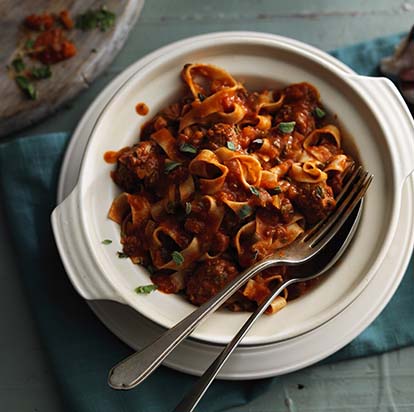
column 331, row 254
column 136, row 368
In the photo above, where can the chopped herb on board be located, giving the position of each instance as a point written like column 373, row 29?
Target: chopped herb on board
column 42, row 72
column 101, row 19
column 145, row 289
column 287, row 127
column 18, row 64
column 177, row 257
column 29, row 44
column 27, row 87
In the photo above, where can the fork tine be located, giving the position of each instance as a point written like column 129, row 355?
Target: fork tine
column 348, row 205
column 323, row 222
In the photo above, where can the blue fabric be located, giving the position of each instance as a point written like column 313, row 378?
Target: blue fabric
column 80, row 348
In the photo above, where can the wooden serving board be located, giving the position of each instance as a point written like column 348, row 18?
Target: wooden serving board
column 95, row 50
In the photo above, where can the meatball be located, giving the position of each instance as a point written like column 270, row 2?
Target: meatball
column 315, row 201
column 299, row 105
column 140, row 164
column 220, row 134
column 209, row 278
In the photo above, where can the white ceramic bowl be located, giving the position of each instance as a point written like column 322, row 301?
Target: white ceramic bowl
column 370, row 110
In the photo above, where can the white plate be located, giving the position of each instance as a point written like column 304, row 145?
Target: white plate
column 255, row 361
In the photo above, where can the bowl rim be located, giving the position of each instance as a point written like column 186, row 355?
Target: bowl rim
column 233, row 37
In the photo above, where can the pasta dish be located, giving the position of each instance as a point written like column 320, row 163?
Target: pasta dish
column 223, row 178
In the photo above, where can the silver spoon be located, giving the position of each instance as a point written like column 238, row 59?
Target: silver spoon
column 332, row 253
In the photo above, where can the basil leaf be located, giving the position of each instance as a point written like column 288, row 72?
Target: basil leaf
column 145, row 289
column 18, row 65
column 231, row 146
column 168, row 167
column 188, row 148
column 177, row 257
column 287, row 127
column 187, row 208
column 320, row 114
column 254, row 190
column 102, row 19
column 27, row 87
column 106, row 242
column 122, row 255
column 245, row 211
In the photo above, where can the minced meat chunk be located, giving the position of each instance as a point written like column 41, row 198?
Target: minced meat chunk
column 219, row 135
column 209, row 278
column 315, row 201
column 140, row 164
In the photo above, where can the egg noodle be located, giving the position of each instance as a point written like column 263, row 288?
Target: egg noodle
column 223, row 178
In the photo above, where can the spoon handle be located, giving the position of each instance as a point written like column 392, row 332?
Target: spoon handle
column 190, row 401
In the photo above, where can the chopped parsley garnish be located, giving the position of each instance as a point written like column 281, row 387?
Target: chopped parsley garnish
column 277, row 190
column 170, row 166
column 29, row 44
column 254, row 190
column 201, row 97
column 320, row 114
column 42, row 72
column 145, row 289
column 287, row 127
column 106, row 242
column 187, row 208
column 244, row 211
column 101, row 19
column 231, row 146
column 18, row 64
column 188, row 148
column 122, row 255
column 27, row 87
column 177, row 257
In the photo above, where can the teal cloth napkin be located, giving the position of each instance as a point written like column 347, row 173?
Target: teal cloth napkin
column 80, row 348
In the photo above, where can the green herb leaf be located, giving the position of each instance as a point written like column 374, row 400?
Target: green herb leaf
column 188, row 148
column 27, row 87
column 122, row 255
column 177, row 257
column 201, row 97
column 277, row 190
column 319, row 192
column 145, row 289
column 320, row 113
column 102, row 19
column 168, row 167
column 42, row 72
column 287, row 127
column 151, row 269
column 187, row 208
column 29, row 44
column 254, row 190
column 245, row 211
column 18, row 64
column 106, row 242
column 231, row 146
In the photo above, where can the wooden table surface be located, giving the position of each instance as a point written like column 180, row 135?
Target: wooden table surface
column 381, row 383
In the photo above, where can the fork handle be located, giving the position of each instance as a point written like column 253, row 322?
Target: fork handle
column 133, row 370
column 190, row 401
